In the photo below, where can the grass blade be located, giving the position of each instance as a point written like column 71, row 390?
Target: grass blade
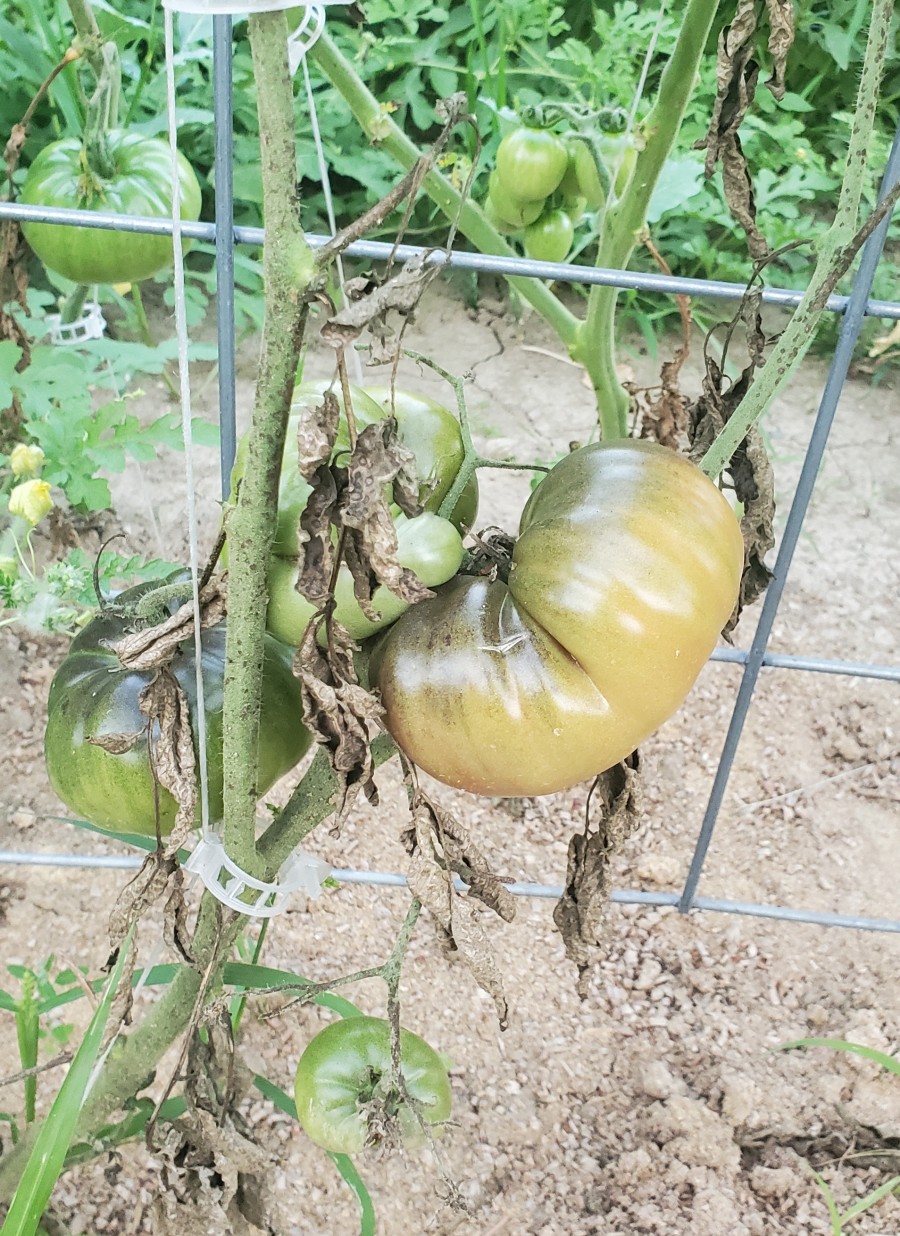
column 891, row 1063
column 46, row 1160
column 871, row 1199
column 243, row 974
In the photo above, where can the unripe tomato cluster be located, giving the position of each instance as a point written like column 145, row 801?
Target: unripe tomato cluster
column 543, row 183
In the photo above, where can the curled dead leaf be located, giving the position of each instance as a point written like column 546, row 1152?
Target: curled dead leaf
column 613, row 815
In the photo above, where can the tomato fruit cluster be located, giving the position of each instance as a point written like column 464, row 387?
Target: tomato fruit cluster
column 627, row 567
column 140, row 185
column 427, row 544
column 343, row 1086
column 92, row 696
column 543, row 183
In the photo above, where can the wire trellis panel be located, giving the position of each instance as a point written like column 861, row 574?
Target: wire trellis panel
column 853, row 308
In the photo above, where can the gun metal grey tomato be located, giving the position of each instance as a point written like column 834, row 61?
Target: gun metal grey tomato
column 626, row 569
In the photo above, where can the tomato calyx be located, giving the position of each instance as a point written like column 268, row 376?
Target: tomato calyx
column 492, row 555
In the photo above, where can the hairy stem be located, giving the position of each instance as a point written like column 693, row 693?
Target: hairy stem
column 624, row 221
column 836, row 250
column 381, row 129
column 289, row 271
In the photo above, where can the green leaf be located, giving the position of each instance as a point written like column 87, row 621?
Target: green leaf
column 244, row 974
column 870, row 1200
column 891, row 1063
column 49, row 1152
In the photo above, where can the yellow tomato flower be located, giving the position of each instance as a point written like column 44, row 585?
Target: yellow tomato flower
column 31, row 500
column 26, row 460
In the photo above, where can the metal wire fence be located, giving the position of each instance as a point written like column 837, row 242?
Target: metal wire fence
column 853, row 309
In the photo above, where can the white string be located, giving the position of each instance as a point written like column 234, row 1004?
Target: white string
column 186, row 428
column 329, row 201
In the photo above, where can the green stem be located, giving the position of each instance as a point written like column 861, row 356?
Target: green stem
column 595, row 344
column 835, row 252
column 289, row 269
column 383, row 131
column 73, row 305
column 88, row 32
column 146, row 334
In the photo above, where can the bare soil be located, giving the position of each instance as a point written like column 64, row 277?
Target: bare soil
column 657, row 1104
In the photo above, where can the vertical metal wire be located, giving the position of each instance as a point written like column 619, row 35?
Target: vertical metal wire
column 224, row 185
column 850, row 328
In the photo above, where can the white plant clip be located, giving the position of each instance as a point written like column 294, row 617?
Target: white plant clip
column 91, row 325
column 225, row 880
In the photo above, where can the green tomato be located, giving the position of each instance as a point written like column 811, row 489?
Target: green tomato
column 627, row 567
column 140, row 186
column 619, row 155
column 345, row 1100
column 550, row 238
column 431, row 547
column 531, row 163
column 497, row 223
column 515, row 212
column 92, row 695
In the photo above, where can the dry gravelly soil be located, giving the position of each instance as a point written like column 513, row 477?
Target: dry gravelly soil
column 657, row 1104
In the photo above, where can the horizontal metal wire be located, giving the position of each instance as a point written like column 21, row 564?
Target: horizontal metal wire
column 815, row 665
column 483, row 263
column 627, row 897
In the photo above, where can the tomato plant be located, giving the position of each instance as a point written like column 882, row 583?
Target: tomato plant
column 141, row 184
column 427, row 544
column 344, row 1094
column 627, row 567
column 92, row 695
column 549, row 239
column 619, row 155
column 531, row 163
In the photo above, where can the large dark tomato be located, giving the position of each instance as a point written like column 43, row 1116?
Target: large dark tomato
column 626, row 569
column 345, row 1099
column 92, row 695
column 427, row 544
column 141, row 185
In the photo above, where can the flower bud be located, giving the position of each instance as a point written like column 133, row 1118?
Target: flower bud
column 31, row 500
column 26, row 459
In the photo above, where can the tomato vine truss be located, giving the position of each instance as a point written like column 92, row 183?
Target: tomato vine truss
column 853, row 310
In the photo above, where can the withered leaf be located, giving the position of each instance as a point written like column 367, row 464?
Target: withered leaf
column 165, row 704
column 154, row 646
column 176, row 931
column 439, row 847
column 338, row 711
column 317, row 548
column 141, row 892
column 781, row 38
column 317, row 430
column 374, row 301
column 116, row 744
column 580, row 914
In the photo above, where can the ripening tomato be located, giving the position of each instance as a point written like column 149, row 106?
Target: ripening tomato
column 141, row 185
column 345, row 1100
column 427, row 544
column 92, row 695
column 511, row 209
column 550, row 238
column 626, row 569
column 531, row 163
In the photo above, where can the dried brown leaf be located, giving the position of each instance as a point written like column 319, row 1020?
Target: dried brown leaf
column 317, row 547
column 154, row 646
column 338, row 711
column 176, row 931
column 369, row 302
column 317, row 430
column 580, row 914
column 439, row 847
column 781, row 38
column 165, row 705
column 116, row 744
column 141, row 892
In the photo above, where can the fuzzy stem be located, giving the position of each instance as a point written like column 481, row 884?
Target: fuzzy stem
column 382, row 130
column 595, row 343
column 289, row 270
column 835, row 251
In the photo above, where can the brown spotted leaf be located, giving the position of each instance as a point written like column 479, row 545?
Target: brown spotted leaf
column 317, row 547
column 781, row 38
column 165, row 704
column 317, row 430
column 369, row 302
column 338, row 711
column 439, row 847
column 116, row 744
column 614, row 816
column 141, row 892
column 154, row 646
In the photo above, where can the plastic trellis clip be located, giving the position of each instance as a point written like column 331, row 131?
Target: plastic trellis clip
column 91, row 325
column 225, row 880
column 222, row 8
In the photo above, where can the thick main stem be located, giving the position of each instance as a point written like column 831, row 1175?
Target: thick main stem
column 289, row 270
column 831, row 264
column 595, row 343
column 379, row 128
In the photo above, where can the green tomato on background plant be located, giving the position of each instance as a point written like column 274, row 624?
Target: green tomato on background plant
column 141, row 185
column 531, row 163
column 627, row 567
column 550, row 238
column 345, row 1098
column 427, row 544
column 92, row 695
column 514, row 212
